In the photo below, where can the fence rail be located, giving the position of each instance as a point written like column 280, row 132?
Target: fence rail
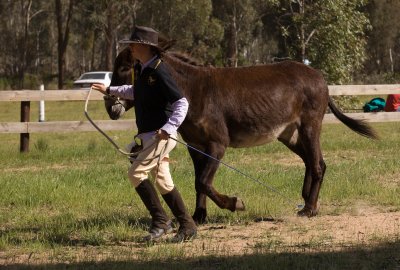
column 25, row 127
column 64, row 126
column 65, row 95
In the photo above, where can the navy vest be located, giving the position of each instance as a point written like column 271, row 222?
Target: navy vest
column 154, row 92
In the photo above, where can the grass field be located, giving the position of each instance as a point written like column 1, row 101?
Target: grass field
column 68, row 204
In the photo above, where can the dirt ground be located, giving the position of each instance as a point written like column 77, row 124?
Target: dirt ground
column 362, row 225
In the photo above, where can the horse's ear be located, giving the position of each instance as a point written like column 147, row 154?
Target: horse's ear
column 165, row 43
column 169, row 44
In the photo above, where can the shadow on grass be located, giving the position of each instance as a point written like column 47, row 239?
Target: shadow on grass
column 383, row 256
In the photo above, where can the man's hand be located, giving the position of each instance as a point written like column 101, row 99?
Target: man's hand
column 99, row 87
column 162, row 135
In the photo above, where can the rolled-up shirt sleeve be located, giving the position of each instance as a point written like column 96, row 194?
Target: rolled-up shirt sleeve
column 123, row 91
column 179, row 111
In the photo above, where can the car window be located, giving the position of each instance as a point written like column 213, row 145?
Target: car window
column 92, row 76
column 110, row 75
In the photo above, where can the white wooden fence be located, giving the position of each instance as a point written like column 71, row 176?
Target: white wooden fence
column 26, row 96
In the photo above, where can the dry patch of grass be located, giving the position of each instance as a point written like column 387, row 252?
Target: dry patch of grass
column 34, row 168
column 366, row 226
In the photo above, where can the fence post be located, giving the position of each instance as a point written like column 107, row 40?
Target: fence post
column 41, row 106
column 25, row 117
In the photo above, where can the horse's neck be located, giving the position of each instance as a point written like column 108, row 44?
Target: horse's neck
column 185, row 74
column 179, row 65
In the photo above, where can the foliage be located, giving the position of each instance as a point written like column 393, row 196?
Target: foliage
column 4, row 83
column 329, row 33
column 189, row 22
column 31, row 81
column 238, row 19
column 339, row 45
column 332, row 34
column 384, row 37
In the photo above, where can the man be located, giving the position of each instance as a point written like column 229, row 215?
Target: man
column 160, row 109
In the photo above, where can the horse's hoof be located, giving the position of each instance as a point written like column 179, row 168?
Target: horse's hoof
column 307, row 212
column 200, row 216
column 239, row 205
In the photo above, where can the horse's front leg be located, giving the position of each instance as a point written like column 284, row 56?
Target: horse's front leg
column 205, row 169
column 199, row 162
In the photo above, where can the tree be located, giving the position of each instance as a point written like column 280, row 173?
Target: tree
column 110, row 17
column 330, row 33
column 17, row 30
column 189, row 22
column 63, row 36
column 338, row 46
column 238, row 19
column 384, row 55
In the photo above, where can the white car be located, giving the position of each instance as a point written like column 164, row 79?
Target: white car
column 86, row 80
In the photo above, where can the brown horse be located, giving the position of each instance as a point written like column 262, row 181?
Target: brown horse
column 250, row 106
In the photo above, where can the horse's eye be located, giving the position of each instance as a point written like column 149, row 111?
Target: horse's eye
column 124, row 69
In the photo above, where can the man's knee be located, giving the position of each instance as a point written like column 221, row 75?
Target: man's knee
column 136, row 177
column 163, row 177
column 164, row 187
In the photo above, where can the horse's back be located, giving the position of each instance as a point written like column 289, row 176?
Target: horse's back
column 269, row 86
column 259, row 103
column 279, row 81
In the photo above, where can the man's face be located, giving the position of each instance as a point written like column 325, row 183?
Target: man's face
column 138, row 50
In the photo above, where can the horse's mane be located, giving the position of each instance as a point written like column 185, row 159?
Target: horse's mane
column 165, row 44
column 186, row 58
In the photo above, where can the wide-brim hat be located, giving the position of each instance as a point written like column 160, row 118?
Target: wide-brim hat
column 143, row 35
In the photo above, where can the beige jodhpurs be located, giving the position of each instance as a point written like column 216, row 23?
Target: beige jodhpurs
column 153, row 159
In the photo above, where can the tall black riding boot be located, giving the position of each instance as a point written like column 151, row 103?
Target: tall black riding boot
column 160, row 224
column 187, row 228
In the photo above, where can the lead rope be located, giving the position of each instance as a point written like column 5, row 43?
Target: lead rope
column 256, row 180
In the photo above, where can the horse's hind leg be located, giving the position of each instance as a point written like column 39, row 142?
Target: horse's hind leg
column 297, row 148
column 310, row 152
column 309, row 137
column 205, row 169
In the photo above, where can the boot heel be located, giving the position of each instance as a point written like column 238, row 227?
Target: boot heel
column 161, row 224
column 187, row 228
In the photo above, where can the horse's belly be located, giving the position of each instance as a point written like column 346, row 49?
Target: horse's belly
column 248, row 138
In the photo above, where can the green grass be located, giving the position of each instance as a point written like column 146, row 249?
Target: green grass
column 71, row 191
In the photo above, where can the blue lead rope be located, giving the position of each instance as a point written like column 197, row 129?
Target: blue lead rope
column 258, row 181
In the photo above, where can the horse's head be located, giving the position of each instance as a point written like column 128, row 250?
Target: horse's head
column 123, row 65
column 122, row 74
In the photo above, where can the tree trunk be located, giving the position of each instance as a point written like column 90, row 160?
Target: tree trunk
column 109, row 37
column 231, row 53
column 93, row 51
column 63, row 37
column 27, row 10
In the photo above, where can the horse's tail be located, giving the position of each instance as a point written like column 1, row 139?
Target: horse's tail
column 358, row 126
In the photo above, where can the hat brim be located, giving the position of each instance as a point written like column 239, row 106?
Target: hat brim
column 128, row 41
